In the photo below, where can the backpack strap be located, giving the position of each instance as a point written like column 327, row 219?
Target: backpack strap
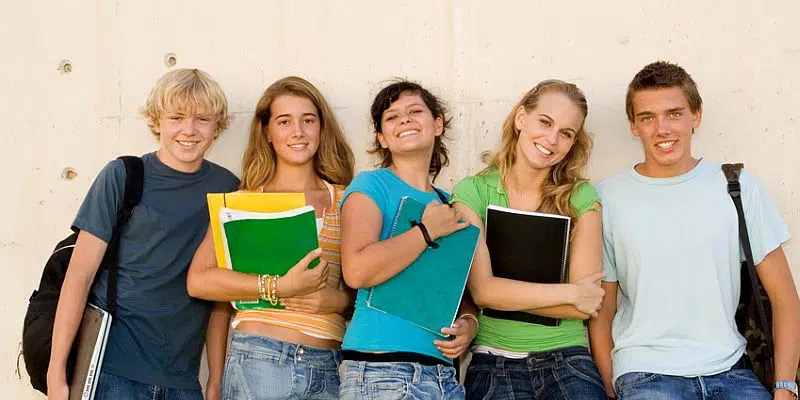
column 732, row 172
column 134, row 181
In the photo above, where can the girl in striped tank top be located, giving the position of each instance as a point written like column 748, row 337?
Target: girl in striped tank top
column 296, row 145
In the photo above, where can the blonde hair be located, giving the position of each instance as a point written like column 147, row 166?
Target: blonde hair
column 333, row 161
column 568, row 173
column 186, row 89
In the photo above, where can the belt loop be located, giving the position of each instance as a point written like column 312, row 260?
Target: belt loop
column 417, row 373
column 500, row 365
column 558, row 358
column 284, row 353
column 361, row 367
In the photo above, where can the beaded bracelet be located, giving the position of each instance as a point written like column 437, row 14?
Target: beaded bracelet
column 273, row 295
column 262, row 287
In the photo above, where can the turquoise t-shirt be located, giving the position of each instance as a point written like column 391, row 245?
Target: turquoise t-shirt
column 479, row 191
column 672, row 245
column 371, row 330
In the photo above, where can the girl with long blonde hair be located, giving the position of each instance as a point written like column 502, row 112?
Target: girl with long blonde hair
column 538, row 167
column 296, row 145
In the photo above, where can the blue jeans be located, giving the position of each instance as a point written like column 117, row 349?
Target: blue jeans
column 258, row 367
column 113, row 387
column 397, row 380
column 568, row 373
column 738, row 383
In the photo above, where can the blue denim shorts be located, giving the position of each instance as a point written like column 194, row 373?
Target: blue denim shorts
column 113, row 387
column 258, row 367
column 568, row 373
column 363, row 380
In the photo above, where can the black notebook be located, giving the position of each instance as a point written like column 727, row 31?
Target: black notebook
column 527, row 246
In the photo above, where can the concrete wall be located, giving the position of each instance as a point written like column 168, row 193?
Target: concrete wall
column 480, row 56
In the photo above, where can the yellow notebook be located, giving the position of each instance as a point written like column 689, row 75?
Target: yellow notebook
column 247, row 201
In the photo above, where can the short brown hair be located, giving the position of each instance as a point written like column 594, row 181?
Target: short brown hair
column 659, row 75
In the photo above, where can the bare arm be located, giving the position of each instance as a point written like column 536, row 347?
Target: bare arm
column 207, row 281
column 585, row 258
column 86, row 259
column 600, row 340
column 489, row 291
column 216, row 347
column 776, row 277
column 368, row 261
column 463, row 331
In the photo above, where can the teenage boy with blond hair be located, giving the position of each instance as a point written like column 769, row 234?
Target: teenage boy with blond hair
column 671, row 247
column 155, row 344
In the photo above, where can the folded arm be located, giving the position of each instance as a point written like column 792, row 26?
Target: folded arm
column 585, row 258
column 489, row 291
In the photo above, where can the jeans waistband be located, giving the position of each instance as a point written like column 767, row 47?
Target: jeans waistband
column 262, row 347
column 362, row 371
column 534, row 360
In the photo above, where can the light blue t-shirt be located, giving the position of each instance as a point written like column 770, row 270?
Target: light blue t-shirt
column 672, row 245
column 371, row 330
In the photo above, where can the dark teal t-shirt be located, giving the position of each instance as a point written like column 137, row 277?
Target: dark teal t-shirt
column 158, row 334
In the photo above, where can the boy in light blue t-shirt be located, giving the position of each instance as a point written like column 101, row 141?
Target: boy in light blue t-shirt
column 672, row 257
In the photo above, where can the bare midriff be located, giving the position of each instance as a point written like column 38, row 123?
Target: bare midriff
column 286, row 335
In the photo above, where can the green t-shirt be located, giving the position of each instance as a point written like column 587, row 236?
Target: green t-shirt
column 479, row 191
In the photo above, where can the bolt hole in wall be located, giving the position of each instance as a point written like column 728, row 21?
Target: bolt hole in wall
column 65, row 66
column 68, row 174
column 170, row 60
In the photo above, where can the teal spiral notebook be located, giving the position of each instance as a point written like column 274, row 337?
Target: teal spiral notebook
column 428, row 292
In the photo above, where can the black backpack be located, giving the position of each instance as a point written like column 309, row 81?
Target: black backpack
column 37, row 330
column 753, row 317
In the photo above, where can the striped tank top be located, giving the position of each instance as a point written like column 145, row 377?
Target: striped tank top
column 328, row 326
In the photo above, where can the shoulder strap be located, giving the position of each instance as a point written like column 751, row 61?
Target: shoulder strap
column 442, row 197
column 732, row 172
column 134, row 181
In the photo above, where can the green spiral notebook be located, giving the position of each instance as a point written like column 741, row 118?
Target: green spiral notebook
column 267, row 243
column 428, row 292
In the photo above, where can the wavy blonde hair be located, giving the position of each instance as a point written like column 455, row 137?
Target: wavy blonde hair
column 568, row 173
column 186, row 89
column 333, row 160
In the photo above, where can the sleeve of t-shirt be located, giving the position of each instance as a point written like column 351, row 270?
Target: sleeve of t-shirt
column 585, row 198
column 368, row 184
column 467, row 193
column 609, row 258
column 98, row 212
column 765, row 226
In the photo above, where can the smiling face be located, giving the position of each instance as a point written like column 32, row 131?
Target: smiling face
column 547, row 132
column 664, row 122
column 185, row 136
column 408, row 126
column 294, row 129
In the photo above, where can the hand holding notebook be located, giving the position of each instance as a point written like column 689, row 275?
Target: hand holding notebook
column 428, row 292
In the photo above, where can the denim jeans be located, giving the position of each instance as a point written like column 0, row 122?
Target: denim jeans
column 397, row 380
column 113, row 387
column 260, row 368
column 738, row 383
column 568, row 373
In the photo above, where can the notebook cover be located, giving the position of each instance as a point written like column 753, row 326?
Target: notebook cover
column 89, row 348
column 428, row 292
column 246, row 201
column 527, row 246
column 267, row 243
